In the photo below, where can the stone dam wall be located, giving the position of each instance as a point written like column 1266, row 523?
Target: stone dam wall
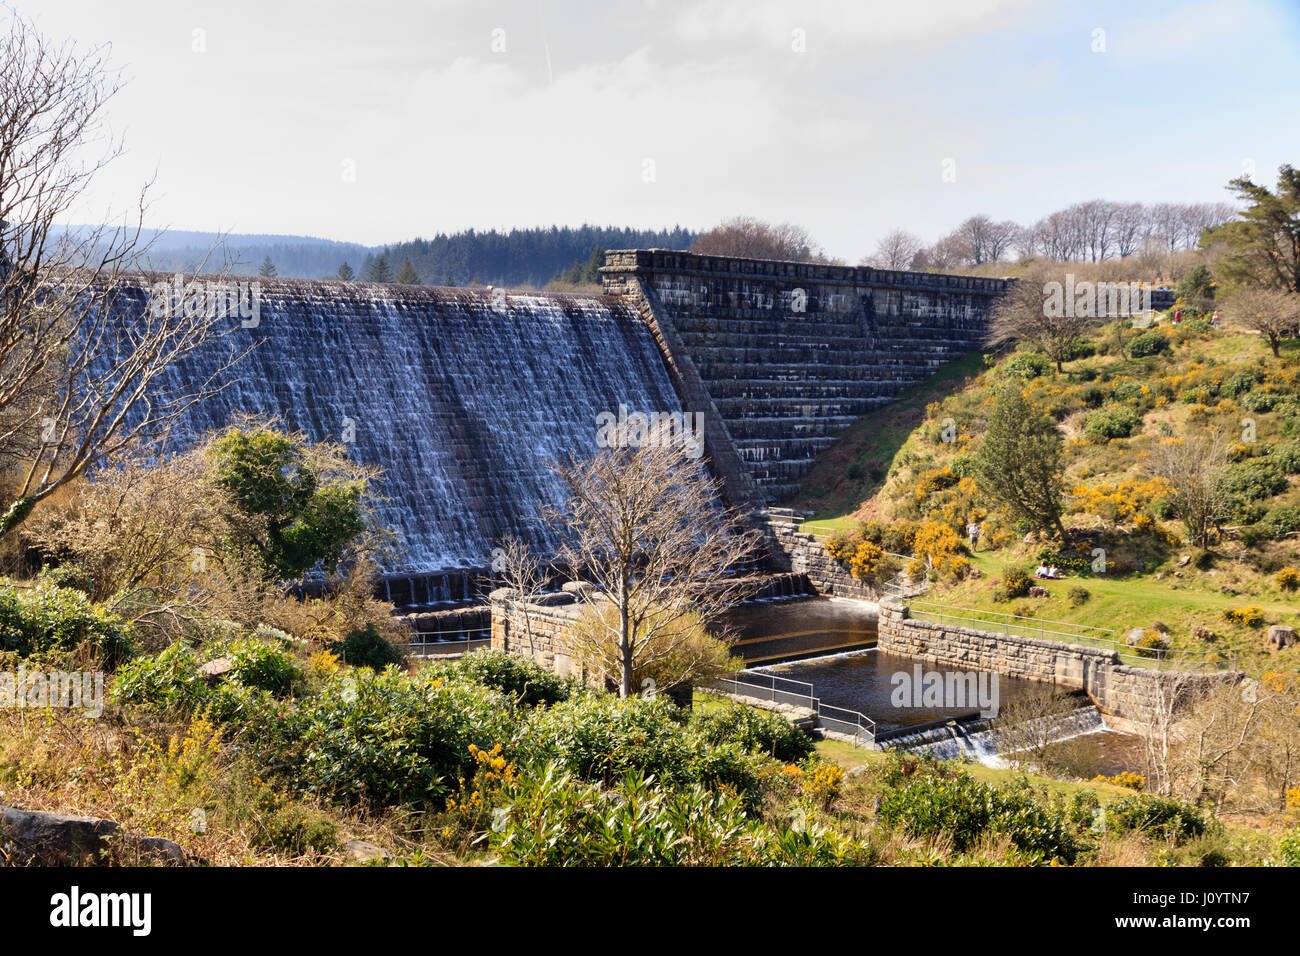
column 1129, row 696
column 782, row 356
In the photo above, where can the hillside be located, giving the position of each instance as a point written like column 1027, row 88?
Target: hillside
column 910, row 466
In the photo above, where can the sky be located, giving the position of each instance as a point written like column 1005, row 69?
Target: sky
column 383, row 120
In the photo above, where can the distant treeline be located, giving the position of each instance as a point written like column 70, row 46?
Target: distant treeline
column 520, row 258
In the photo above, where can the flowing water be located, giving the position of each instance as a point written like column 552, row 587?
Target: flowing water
column 461, row 397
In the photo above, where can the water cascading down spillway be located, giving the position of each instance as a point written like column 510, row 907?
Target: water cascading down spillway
column 462, row 397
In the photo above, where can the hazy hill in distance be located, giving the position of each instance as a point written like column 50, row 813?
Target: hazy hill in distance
column 520, row 258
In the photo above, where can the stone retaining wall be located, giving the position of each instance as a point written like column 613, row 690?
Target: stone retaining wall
column 1130, row 696
column 801, row 553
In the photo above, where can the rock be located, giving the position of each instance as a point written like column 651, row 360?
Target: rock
column 1280, row 636
column 1133, row 636
column 33, row 838
column 1029, row 538
column 1039, row 591
column 1184, row 561
column 975, row 574
column 363, row 851
column 1160, row 575
column 1231, row 592
column 215, row 671
column 1178, row 574
column 1204, row 634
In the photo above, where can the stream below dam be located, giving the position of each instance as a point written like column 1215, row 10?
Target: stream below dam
column 827, row 642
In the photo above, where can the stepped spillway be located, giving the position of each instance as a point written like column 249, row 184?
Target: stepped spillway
column 462, row 397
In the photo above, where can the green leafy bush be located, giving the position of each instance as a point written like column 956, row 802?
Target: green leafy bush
column 168, row 682
column 48, row 619
column 1255, row 480
column 1148, row 343
column 1287, row 457
column 258, row 664
column 554, row 819
column 1113, row 421
column 1077, row 596
column 1260, row 401
column 516, row 677
column 1027, row 365
column 757, row 731
column 1288, row 849
column 384, row 738
column 964, row 810
column 368, row 648
column 1281, row 520
column 1158, row 816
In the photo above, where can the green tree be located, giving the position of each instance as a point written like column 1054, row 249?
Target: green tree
column 1019, row 462
column 407, row 274
column 379, row 270
column 345, row 273
column 297, row 504
column 1263, row 243
column 268, row 270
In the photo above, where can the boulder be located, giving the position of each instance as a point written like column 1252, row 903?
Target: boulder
column 1184, row 561
column 1280, row 636
column 363, row 851
column 32, row 838
column 215, row 671
column 1038, row 590
column 1134, row 635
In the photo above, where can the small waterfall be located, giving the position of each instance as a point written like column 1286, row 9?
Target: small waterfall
column 980, row 739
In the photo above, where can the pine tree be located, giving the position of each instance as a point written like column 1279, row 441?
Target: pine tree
column 407, row 275
column 345, row 273
column 268, row 270
column 379, row 271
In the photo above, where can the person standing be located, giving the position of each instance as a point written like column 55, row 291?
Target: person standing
column 973, row 532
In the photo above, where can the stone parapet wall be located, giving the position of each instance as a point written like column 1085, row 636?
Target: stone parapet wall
column 1131, row 696
column 801, row 553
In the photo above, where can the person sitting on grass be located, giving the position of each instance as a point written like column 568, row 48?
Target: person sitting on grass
column 1054, row 572
column 1041, row 572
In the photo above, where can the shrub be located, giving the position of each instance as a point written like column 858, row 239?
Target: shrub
column 167, row 683
column 48, row 619
column 757, row 731
column 1288, row 579
column 1240, row 382
column 1250, row 616
column 1027, row 365
column 1259, row 401
column 601, row 738
column 1281, row 520
column 964, row 810
column 1016, row 583
column 366, row 647
column 552, row 819
column 517, row 677
column 1150, row 343
column 1287, row 457
column 259, row 665
column 1158, row 816
column 1077, row 596
column 1288, row 849
column 1125, row 778
column 1113, row 421
column 1255, row 480
column 385, row 738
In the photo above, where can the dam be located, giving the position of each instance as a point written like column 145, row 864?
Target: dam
column 465, row 397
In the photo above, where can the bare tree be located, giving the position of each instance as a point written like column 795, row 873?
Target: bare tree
column 521, row 573
column 755, row 239
column 1273, row 313
column 895, row 251
column 1029, row 312
column 646, row 529
column 81, row 378
column 1195, row 469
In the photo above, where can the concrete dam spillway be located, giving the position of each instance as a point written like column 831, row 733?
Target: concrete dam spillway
column 463, row 397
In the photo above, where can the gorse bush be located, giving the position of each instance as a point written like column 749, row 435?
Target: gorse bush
column 46, row 619
column 756, row 731
column 518, row 678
